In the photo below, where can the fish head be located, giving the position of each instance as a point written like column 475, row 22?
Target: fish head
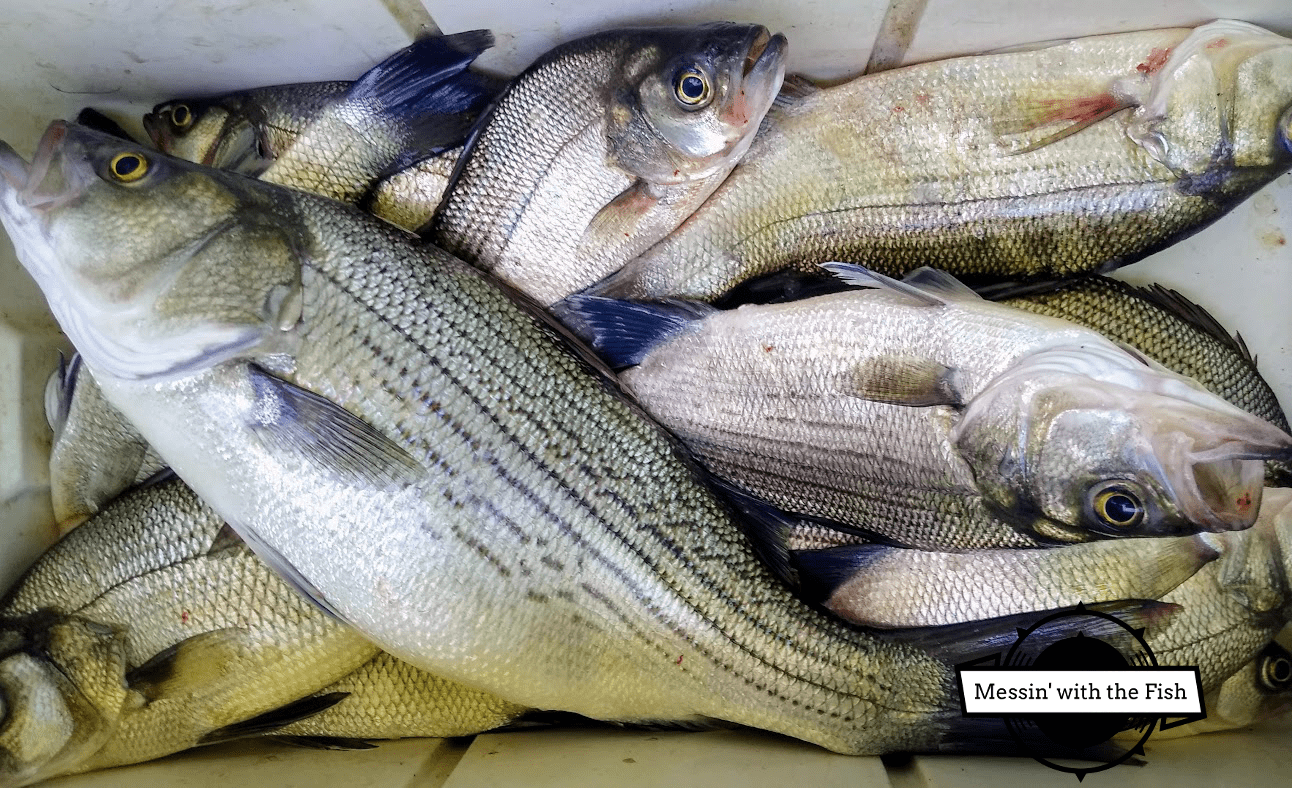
column 690, row 99
column 222, row 133
column 1099, row 442
column 62, row 689
column 1222, row 101
column 151, row 265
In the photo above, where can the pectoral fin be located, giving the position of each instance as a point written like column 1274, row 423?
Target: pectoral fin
column 907, row 380
column 618, row 219
column 295, row 421
column 188, row 666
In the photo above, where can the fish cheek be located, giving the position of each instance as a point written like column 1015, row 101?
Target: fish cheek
column 37, row 722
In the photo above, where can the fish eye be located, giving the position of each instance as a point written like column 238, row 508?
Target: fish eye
column 1276, row 672
column 692, row 87
column 181, row 116
column 128, row 167
column 1117, row 505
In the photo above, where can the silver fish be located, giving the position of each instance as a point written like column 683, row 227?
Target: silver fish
column 336, row 138
column 881, row 586
column 929, row 418
column 602, row 147
column 1260, row 690
column 96, row 453
column 1050, row 161
column 423, row 454
column 166, row 635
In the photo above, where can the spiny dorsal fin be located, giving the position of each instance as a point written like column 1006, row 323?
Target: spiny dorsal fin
column 1193, row 314
column 927, row 286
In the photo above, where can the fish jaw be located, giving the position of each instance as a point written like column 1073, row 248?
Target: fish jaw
column 1192, row 460
column 1221, row 100
column 116, row 285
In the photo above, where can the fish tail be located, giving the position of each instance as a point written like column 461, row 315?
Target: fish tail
column 623, row 332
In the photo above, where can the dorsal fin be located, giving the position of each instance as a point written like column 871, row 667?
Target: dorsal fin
column 928, row 286
column 1193, row 314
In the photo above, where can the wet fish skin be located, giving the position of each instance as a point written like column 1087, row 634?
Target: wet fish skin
column 1172, row 331
column 903, row 417
column 881, row 586
column 408, row 198
column 337, row 139
column 162, row 578
column 969, row 165
column 591, row 155
column 625, row 592
column 96, row 453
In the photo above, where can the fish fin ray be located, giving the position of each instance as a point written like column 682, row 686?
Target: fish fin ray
column 275, row 718
column 324, row 742
column 226, row 539
column 938, row 282
column 623, row 332
column 794, row 89
column 297, row 421
column 822, row 572
column 907, row 380
column 767, row 527
column 1195, row 315
column 404, row 77
column 860, row 276
column 288, row 572
column 187, row 666
column 618, row 219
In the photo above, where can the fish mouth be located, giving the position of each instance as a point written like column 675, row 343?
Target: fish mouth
column 53, row 180
column 764, row 56
column 155, row 128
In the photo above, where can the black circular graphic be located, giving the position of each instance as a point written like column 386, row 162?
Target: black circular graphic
column 1101, row 642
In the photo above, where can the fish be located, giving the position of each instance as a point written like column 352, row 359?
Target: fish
column 1168, row 328
column 603, row 146
column 337, row 138
column 96, row 453
column 1048, row 161
column 1261, row 690
column 408, row 198
column 171, row 588
column 418, row 450
column 922, row 416
column 149, row 630
column 890, row 587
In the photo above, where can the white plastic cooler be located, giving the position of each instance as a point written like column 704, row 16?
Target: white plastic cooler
column 57, row 56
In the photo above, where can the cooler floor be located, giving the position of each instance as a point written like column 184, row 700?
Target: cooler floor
column 1259, row 757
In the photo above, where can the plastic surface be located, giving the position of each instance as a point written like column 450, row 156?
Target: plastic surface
column 60, row 55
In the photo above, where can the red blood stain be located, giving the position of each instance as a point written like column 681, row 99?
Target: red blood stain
column 679, row 659
column 183, row 617
column 1219, row 43
column 1156, row 59
column 1078, row 110
column 768, row 348
column 1244, row 503
column 899, row 108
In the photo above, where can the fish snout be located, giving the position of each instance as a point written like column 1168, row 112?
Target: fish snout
column 55, row 177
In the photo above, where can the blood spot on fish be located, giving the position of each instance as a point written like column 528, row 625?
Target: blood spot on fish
column 1244, row 503
column 679, row 659
column 768, row 348
column 922, row 98
column 1219, row 43
column 898, row 108
column 1078, row 110
column 1156, row 59
column 183, row 617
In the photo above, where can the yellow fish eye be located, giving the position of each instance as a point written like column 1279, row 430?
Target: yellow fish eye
column 692, row 87
column 1276, row 673
column 181, row 116
column 128, row 167
column 1117, row 506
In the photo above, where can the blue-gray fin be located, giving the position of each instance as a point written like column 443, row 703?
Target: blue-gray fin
column 907, row 380
column 293, row 420
column 422, row 87
column 289, row 574
column 975, row 641
column 324, row 742
column 188, row 666
column 159, row 476
column 925, row 286
column 93, row 119
column 274, row 719
column 227, row 539
column 623, row 332
column 821, row 572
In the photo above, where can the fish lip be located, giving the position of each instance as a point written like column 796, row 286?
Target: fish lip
column 156, row 130
column 766, row 53
column 48, row 152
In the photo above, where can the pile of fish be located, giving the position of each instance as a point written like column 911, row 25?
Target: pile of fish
column 332, row 479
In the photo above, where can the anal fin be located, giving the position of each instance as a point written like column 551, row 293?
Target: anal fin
column 274, row 719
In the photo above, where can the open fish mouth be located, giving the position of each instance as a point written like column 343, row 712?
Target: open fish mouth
column 48, row 182
column 765, row 56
